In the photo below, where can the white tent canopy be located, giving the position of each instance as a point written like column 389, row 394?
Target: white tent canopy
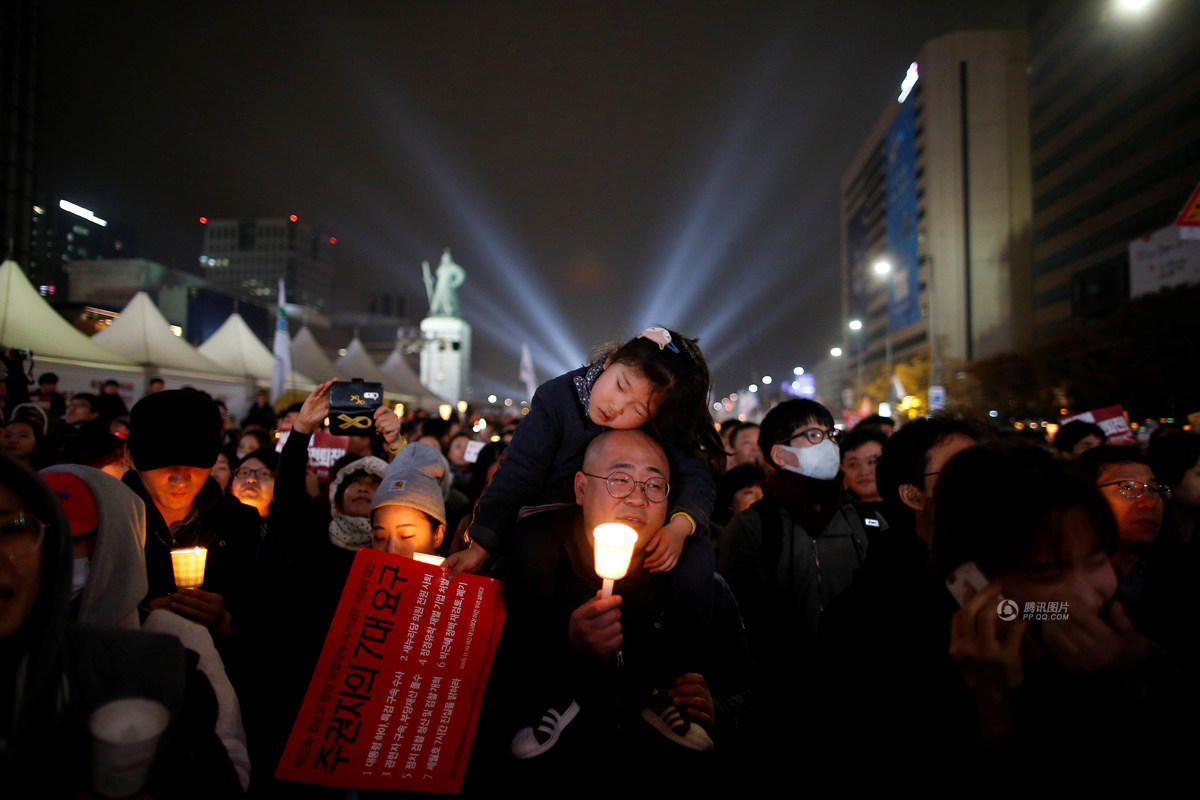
column 236, row 347
column 406, row 383
column 357, row 363
column 28, row 322
column 309, row 359
column 141, row 333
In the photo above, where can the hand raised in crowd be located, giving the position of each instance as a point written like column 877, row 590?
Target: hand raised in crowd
column 470, row 560
column 315, row 409
column 312, row 484
column 1086, row 643
column 665, row 547
column 207, row 608
column 987, row 652
column 690, row 694
column 388, row 425
column 595, row 627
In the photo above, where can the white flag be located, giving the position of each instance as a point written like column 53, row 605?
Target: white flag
column 526, row 374
column 283, row 350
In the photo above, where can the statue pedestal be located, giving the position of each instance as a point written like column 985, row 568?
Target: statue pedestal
column 446, row 357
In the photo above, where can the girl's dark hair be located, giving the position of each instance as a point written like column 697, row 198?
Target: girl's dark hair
column 994, row 503
column 681, row 374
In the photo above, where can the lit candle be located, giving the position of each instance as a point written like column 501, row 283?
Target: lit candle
column 428, row 559
column 188, row 563
column 614, row 548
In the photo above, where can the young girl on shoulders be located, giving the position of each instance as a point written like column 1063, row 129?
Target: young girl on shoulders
column 658, row 379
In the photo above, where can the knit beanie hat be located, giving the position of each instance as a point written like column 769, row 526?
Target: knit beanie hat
column 179, row 427
column 413, row 479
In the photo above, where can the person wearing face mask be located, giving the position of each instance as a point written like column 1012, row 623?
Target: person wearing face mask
column 108, row 536
column 790, row 554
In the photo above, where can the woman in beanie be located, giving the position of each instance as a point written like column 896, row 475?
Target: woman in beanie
column 408, row 514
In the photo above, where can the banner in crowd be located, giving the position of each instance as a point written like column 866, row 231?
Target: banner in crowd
column 1112, row 421
column 395, row 697
column 324, row 449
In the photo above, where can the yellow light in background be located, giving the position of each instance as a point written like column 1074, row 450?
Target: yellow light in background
column 462, row 406
column 399, row 409
column 495, row 437
column 1051, row 428
column 444, row 411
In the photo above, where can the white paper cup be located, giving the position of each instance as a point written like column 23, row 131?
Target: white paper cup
column 124, row 739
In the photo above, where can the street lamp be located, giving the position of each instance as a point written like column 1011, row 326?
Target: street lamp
column 836, row 352
column 1133, row 7
column 856, row 326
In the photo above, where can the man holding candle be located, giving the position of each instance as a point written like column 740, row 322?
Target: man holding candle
column 650, row 672
column 174, row 439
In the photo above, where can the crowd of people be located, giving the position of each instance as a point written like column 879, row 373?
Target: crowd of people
column 799, row 593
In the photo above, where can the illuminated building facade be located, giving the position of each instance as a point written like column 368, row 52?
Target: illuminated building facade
column 1115, row 122
column 247, row 257
column 940, row 191
column 63, row 232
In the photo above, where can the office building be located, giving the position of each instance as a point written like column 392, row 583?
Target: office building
column 940, row 192
column 1114, row 103
column 247, row 257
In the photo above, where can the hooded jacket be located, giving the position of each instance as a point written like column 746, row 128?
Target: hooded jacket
column 53, row 675
column 116, row 580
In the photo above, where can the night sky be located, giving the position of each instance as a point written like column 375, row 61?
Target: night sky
column 594, row 167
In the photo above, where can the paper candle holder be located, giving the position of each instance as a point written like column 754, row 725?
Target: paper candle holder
column 188, row 565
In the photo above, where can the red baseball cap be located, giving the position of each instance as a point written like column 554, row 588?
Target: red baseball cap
column 77, row 500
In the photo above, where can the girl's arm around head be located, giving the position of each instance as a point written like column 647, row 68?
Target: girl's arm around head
column 692, row 487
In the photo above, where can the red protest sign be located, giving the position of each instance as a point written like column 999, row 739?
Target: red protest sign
column 1111, row 420
column 324, row 449
column 395, row 697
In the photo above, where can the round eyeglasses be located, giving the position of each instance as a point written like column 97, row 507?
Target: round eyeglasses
column 621, row 484
column 1134, row 490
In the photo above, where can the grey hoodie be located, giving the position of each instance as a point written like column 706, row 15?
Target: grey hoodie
column 116, row 580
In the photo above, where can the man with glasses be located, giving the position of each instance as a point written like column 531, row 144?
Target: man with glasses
column 790, row 554
column 1156, row 580
column 651, row 672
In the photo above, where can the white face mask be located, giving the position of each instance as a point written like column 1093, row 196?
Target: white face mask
column 79, row 576
column 821, row 461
